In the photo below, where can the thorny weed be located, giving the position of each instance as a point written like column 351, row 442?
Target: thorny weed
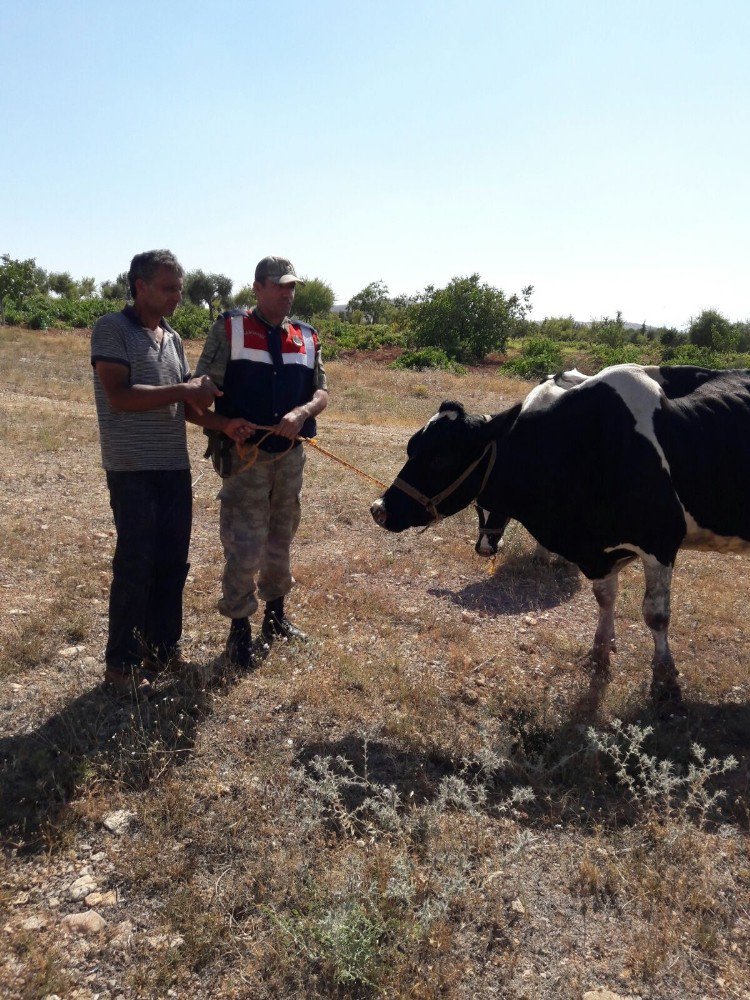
column 352, row 932
column 655, row 786
column 332, row 791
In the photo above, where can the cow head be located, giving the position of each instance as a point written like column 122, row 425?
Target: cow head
column 449, row 461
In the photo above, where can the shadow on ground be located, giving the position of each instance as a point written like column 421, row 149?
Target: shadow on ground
column 98, row 735
column 572, row 783
column 517, row 586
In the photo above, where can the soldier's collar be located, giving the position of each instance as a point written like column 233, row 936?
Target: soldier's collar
column 268, row 323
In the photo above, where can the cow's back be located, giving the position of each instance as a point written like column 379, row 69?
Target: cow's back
column 585, row 475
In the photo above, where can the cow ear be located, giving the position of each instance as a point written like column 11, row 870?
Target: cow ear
column 449, row 405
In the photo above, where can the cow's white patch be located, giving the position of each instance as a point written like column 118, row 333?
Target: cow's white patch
column 641, row 393
column 485, row 549
column 629, row 547
column 450, row 414
column 551, row 389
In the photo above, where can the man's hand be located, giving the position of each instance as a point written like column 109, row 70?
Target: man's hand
column 200, row 393
column 291, row 423
column 238, row 429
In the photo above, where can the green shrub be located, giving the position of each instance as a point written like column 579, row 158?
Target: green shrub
column 466, row 319
column 539, row 356
column 627, row 354
column 40, row 311
column 610, row 332
column 83, row 313
column 427, row 357
column 703, row 357
column 559, row 328
column 712, row 330
column 339, row 335
column 191, row 321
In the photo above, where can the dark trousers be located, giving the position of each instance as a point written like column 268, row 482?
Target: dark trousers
column 153, row 515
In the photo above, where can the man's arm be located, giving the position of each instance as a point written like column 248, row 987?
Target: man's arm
column 197, row 393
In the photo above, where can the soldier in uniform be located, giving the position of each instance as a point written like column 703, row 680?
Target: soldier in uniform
column 270, row 372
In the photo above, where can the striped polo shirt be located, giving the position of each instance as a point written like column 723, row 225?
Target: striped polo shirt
column 150, row 439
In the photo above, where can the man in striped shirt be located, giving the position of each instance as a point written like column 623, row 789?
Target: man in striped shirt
column 142, row 387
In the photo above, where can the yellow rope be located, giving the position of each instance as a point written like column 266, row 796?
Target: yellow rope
column 341, row 461
column 248, row 455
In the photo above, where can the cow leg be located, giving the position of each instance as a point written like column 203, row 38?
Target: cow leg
column 605, row 592
column 656, row 613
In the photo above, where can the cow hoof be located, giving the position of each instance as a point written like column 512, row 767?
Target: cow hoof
column 598, row 667
column 666, row 692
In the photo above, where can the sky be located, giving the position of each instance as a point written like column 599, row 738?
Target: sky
column 595, row 149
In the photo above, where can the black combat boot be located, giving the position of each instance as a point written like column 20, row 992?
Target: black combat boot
column 276, row 625
column 239, row 649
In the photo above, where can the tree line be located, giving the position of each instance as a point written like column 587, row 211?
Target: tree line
column 462, row 323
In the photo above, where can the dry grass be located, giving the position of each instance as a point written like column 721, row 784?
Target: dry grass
column 409, row 806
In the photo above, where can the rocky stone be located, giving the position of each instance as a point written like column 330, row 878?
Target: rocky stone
column 89, row 922
column 82, row 887
column 69, row 652
column 122, row 938
column 119, row 821
column 33, row 924
column 102, row 898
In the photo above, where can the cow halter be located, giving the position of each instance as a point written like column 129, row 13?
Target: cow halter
column 430, row 503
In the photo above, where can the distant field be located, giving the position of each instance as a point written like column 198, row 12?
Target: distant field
column 424, row 802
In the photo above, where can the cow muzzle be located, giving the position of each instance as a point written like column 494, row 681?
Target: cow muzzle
column 378, row 512
column 487, row 546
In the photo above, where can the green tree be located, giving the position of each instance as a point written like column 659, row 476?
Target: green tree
column 742, row 333
column 611, row 332
column 17, row 280
column 41, row 280
column 61, row 283
column 558, row 328
column 312, row 298
column 711, row 329
column 85, row 288
column 117, row 289
column 244, row 298
column 372, row 302
column 223, row 286
column 211, row 289
column 467, row 319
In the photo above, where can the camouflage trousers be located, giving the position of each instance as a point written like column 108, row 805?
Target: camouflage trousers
column 260, row 514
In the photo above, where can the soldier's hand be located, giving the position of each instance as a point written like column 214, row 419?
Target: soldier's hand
column 291, row 423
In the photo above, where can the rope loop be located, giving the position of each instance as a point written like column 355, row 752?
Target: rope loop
column 248, row 454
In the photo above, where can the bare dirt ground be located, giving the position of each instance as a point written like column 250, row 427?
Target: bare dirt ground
column 424, row 801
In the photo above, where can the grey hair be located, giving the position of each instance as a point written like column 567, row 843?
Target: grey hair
column 145, row 265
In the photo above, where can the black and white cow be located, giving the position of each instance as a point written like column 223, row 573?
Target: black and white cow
column 492, row 525
column 635, row 462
